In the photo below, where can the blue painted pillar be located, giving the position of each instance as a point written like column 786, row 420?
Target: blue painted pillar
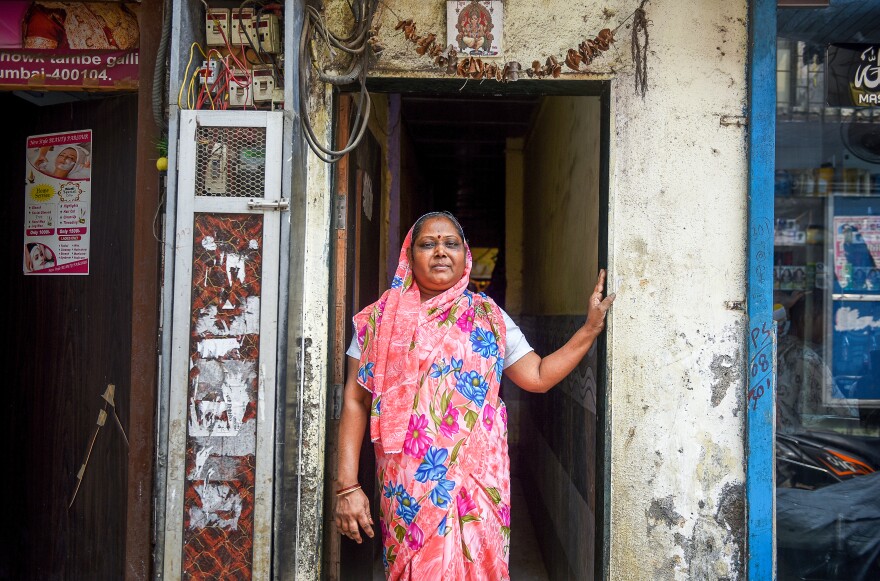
column 760, row 499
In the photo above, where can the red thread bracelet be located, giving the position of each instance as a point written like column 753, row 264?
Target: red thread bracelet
column 351, row 488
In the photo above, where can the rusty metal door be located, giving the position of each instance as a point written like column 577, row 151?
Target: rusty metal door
column 224, row 338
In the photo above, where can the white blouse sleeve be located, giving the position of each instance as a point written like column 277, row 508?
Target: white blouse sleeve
column 517, row 344
column 354, row 349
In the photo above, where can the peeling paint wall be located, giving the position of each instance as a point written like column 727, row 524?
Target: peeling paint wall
column 223, row 399
column 560, row 253
column 514, row 185
column 677, row 253
column 561, row 202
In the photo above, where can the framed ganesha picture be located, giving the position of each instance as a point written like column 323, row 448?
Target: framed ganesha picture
column 475, row 27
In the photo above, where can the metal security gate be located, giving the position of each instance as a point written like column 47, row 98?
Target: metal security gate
column 218, row 509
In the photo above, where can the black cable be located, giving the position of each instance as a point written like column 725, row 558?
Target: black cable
column 324, row 153
column 356, row 45
column 248, row 36
column 159, row 68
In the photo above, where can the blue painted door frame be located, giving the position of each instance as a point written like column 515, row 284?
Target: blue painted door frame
column 760, row 498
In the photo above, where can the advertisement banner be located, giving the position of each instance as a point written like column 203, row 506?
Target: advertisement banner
column 857, row 254
column 68, row 45
column 58, row 188
column 853, row 78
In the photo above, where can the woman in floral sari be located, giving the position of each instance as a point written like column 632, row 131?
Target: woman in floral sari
column 425, row 368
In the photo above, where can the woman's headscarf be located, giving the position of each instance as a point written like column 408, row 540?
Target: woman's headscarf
column 389, row 363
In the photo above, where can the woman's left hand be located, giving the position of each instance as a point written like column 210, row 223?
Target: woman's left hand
column 538, row 374
column 599, row 306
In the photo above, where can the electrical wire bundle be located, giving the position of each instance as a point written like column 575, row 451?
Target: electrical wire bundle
column 213, row 94
column 358, row 44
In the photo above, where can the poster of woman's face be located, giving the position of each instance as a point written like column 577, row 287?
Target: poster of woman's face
column 63, row 162
column 57, row 198
column 38, row 256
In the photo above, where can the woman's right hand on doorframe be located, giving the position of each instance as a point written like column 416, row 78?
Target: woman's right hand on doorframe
column 353, row 514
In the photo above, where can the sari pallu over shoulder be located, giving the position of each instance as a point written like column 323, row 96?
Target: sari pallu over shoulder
column 386, row 332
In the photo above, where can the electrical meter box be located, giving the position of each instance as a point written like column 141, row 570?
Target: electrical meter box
column 216, row 26
column 241, row 92
column 208, row 72
column 242, row 20
column 215, row 169
column 251, row 163
column 263, row 83
column 268, row 33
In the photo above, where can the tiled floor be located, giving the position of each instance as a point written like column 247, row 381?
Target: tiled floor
column 526, row 563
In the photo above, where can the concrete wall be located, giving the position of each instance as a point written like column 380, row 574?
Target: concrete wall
column 677, row 253
column 677, row 257
column 514, row 186
column 561, row 201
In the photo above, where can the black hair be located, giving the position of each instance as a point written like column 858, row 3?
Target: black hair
column 417, row 227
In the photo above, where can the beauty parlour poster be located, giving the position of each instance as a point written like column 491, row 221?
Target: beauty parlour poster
column 58, row 195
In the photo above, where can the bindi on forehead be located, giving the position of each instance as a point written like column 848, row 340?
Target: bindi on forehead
column 439, row 226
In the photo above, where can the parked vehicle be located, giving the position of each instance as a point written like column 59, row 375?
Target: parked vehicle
column 827, row 507
column 813, row 459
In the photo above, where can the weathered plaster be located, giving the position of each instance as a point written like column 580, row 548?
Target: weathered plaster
column 310, row 350
column 677, row 256
column 532, row 31
column 678, row 201
column 514, row 183
column 561, row 201
column 560, row 235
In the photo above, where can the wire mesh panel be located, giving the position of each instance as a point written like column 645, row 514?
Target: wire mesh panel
column 230, row 161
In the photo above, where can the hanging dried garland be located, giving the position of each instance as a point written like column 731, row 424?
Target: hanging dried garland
column 447, row 58
column 476, row 68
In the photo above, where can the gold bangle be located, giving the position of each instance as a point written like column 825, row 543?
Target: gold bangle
column 349, row 490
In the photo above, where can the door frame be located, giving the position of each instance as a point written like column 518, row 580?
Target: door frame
column 573, row 88
column 760, row 401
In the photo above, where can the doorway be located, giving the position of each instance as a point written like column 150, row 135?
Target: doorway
column 525, row 174
column 70, row 339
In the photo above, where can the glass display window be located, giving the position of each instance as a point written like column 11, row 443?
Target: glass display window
column 827, row 292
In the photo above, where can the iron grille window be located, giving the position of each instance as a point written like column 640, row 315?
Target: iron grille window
column 231, row 161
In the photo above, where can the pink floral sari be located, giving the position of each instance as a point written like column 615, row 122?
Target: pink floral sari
column 439, row 429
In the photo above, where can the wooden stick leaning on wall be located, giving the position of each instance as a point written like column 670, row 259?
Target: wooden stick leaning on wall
column 109, row 400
